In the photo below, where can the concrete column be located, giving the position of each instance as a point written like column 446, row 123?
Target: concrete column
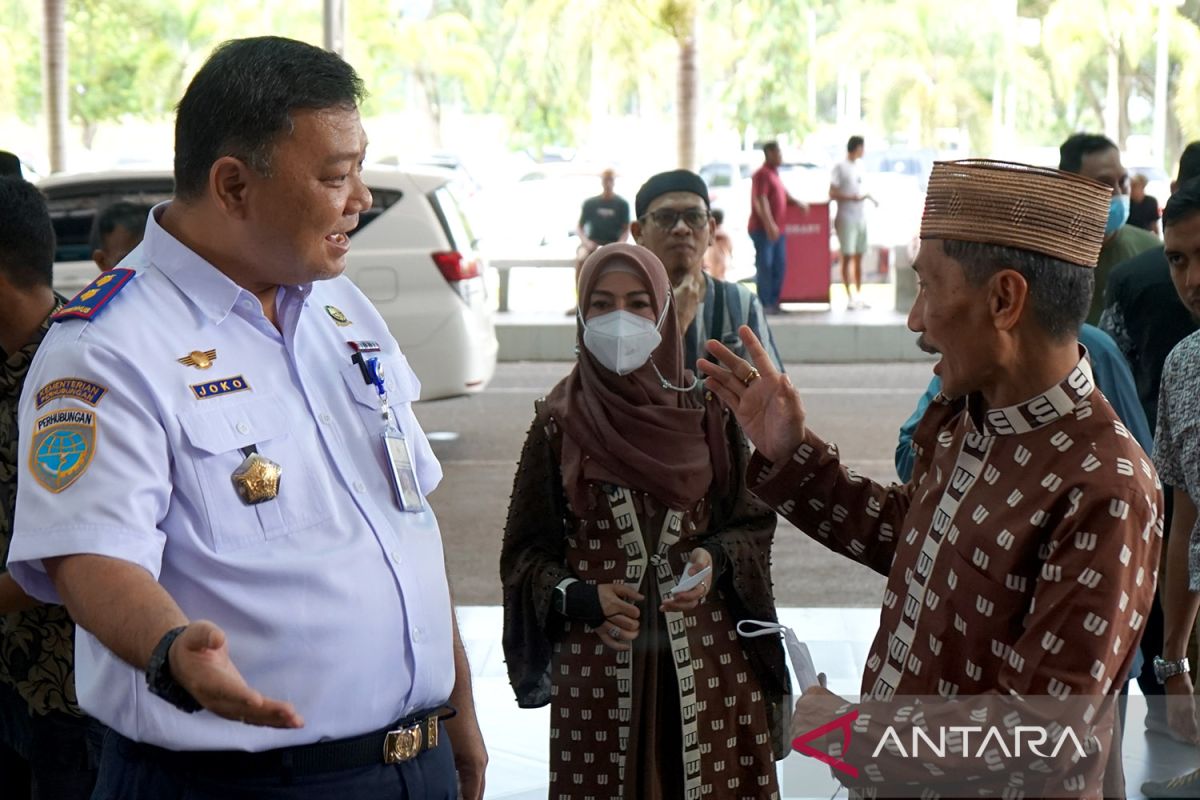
column 335, row 26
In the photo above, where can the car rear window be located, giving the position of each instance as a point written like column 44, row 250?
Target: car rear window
column 382, row 200
column 454, row 222
column 73, row 209
column 716, row 175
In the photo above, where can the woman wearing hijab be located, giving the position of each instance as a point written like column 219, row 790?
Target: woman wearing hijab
column 630, row 479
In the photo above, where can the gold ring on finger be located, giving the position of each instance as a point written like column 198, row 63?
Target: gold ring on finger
column 751, row 376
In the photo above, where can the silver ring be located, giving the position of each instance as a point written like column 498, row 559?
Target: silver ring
column 614, row 632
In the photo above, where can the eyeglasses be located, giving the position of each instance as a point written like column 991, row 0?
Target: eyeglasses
column 668, row 218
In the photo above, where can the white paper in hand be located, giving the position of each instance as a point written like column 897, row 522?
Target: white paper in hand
column 692, row 580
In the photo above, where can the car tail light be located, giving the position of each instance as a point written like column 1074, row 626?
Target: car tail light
column 454, row 267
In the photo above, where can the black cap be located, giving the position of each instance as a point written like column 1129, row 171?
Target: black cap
column 678, row 180
column 10, row 165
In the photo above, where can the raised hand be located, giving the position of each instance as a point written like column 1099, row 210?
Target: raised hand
column 763, row 399
column 200, row 662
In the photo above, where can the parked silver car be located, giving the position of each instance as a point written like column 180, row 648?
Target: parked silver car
column 413, row 256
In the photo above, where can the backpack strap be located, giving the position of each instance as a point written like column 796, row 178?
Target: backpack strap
column 718, row 322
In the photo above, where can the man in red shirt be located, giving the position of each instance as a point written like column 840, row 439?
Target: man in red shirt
column 769, row 200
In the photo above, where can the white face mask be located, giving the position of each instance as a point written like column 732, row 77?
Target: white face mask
column 622, row 341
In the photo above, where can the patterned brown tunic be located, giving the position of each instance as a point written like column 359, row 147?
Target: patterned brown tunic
column 1021, row 560
column 37, row 647
column 688, row 713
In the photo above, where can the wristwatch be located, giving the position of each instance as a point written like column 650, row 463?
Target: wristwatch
column 159, row 678
column 560, row 595
column 1167, row 669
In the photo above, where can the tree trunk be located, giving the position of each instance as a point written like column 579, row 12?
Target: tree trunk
column 686, row 105
column 1112, row 97
column 54, row 80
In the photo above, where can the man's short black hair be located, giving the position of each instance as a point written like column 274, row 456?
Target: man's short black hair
column 770, row 146
column 242, row 98
column 1189, row 163
column 718, row 216
column 26, row 235
column 130, row 216
column 1072, row 151
column 1060, row 293
column 1184, row 202
column 854, row 143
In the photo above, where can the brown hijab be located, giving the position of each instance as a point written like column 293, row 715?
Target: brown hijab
column 628, row 429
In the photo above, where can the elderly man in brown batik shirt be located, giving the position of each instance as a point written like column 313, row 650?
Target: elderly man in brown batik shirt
column 1021, row 559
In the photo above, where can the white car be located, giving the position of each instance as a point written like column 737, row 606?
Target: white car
column 412, row 255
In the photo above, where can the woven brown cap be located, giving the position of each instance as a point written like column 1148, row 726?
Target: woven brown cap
column 1047, row 211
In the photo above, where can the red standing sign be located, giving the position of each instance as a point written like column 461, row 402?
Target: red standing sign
column 808, row 257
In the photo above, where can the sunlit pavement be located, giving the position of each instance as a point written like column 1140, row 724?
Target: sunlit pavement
column 838, row 638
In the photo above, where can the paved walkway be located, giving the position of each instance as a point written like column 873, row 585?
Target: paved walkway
column 838, row 638
column 805, row 333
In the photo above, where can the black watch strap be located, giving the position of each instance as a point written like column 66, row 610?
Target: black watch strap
column 583, row 604
column 160, row 680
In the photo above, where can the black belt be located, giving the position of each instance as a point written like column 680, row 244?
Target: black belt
column 402, row 741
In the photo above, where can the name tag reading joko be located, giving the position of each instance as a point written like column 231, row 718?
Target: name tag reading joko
column 221, row 386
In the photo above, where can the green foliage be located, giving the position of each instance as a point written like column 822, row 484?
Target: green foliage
column 548, row 67
column 762, row 46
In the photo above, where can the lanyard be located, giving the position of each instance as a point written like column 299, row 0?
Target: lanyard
column 396, row 450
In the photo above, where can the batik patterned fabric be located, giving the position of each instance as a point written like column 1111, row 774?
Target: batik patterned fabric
column 1021, row 560
column 36, row 646
column 1177, row 441
column 688, row 711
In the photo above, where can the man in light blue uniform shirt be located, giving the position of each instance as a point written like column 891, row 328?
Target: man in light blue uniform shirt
column 215, row 492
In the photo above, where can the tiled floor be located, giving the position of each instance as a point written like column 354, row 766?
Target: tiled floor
column 837, row 638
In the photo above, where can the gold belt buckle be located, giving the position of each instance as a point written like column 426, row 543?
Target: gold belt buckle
column 401, row 745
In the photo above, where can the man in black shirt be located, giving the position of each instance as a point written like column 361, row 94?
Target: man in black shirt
column 1144, row 315
column 1142, row 311
column 604, row 219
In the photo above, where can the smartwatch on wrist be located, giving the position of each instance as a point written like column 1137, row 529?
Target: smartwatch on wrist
column 1168, row 669
column 560, row 595
column 160, row 680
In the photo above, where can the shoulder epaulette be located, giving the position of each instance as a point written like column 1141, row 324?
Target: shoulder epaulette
column 95, row 296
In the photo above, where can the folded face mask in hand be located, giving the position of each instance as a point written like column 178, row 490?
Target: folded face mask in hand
column 802, row 663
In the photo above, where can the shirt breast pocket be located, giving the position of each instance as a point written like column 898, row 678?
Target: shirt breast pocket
column 402, row 389
column 221, row 437
column 988, row 588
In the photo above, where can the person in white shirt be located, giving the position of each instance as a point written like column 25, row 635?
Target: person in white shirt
column 845, row 187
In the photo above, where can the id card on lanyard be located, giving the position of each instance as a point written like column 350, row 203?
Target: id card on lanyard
column 396, row 449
